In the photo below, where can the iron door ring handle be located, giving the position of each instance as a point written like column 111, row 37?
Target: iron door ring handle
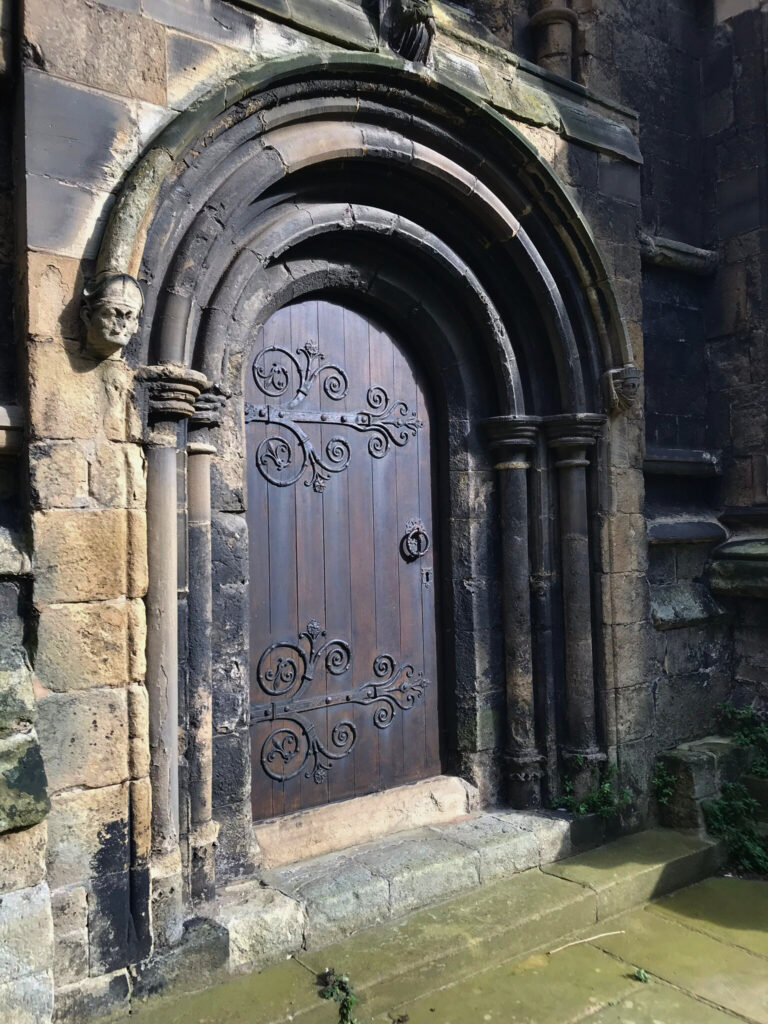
column 415, row 543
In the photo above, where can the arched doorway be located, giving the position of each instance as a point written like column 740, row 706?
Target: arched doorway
column 344, row 676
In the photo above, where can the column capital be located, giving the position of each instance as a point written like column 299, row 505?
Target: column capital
column 209, row 407
column 574, row 430
column 510, row 436
column 172, row 390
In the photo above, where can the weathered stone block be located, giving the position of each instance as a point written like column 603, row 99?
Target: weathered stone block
column 59, row 475
column 81, row 556
column 552, row 832
column 193, row 65
column 137, row 573
column 229, row 548
column 11, row 615
column 502, row 847
column 87, row 834
column 137, row 639
column 93, row 998
column 84, row 738
column 17, row 701
column 218, row 21
column 22, row 857
column 263, row 925
column 26, row 932
column 28, row 1000
column 23, row 791
column 79, row 135
column 117, row 51
column 117, row 477
column 14, row 560
column 67, row 219
column 119, row 417
column 83, row 645
column 421, row 870
column 50, row 365
column 54, row 285
column 70, row 930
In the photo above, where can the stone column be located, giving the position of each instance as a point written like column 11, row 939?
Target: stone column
column 511, row 440
column 571, row 438
column 553, row 25
column 199, row 695
column 171, row 392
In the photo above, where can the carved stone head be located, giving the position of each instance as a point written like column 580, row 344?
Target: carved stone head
column 112, row 305
column 623, row 387
column 408, row 27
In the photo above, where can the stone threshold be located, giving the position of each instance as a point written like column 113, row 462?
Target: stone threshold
column 473, row 907
column 331, row 827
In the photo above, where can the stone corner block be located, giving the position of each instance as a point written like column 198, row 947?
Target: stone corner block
column 26, row 932
column 264, row 926
column 93, row 998
column 80, row 555
column 22, row 857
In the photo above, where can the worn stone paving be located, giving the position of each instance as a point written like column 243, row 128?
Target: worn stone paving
column 704, row 950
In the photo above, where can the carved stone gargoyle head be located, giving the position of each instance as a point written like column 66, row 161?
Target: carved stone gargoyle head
column 408, row 27
column 112, row 305
column 622, row 387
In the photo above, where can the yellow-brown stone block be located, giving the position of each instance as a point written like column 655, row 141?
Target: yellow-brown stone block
column 137, row 571
column 137, row 639
column 64, row 392
column 59, row 475
column 80, row 556
column 55, row 284
column 83, row 645
column 87, row 832
column 84, row 738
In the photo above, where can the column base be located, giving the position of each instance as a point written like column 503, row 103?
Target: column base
column 166, row 887
column 523, row 772
column 202, row 871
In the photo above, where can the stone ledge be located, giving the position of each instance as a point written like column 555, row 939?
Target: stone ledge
column 326, row 829
column 341, row 893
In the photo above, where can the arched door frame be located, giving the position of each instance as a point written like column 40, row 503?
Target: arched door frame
column 220, row 223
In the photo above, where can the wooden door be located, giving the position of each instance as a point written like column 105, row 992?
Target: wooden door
column 344, row 685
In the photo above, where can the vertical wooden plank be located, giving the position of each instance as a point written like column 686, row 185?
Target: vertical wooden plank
column 387, row 535
column 411, row 764
column 361, row 547
column 281, row 536
column 331, row 324
column 310, row 552
column 258, row 559
column 429, row 607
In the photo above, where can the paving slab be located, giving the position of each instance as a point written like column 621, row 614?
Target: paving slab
column 734, row 910
column 731, row 978
column 662, row 1004
column 539, row 989
column 640, row 867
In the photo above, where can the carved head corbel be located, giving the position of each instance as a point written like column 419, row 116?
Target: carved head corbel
column 112, row 305
column 408, row 27
column 622, row 387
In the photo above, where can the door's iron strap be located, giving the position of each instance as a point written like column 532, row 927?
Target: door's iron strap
column 282, row 461
column 288, row 748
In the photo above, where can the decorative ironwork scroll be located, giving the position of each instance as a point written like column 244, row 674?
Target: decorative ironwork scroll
column 286, row 670
column 283, row 461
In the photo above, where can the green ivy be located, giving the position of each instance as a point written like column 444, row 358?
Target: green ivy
column 602, row 799
column 732, row 818
column 749, row 729
column 663, row 784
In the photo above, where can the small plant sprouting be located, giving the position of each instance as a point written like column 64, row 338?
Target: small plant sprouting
column 339, row 988
column 602, row 799
column 640, row 975
column 749, row 729
column 663, row 783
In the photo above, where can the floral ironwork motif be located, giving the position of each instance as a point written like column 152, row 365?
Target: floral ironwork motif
column 286, row 670
column 283, row 461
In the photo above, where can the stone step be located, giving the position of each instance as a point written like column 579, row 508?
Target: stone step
column 497, row 921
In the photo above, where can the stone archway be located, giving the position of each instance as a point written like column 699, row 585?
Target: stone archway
column 328, row 181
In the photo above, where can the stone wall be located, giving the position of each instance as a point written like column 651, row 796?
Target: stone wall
column 98, row 82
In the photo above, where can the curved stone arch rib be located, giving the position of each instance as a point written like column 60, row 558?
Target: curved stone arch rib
column 303, row 146
column 126, row 232
column 272, row 242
